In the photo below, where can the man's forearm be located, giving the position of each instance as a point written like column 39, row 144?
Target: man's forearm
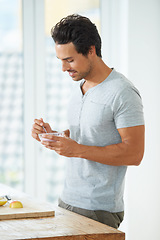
column 115, row 155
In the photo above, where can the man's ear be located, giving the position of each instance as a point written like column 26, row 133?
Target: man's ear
column 92, row 50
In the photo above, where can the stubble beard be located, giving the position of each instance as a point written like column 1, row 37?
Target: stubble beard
column 83, row 75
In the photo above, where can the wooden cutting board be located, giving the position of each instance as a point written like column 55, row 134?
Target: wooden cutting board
column 31, row 208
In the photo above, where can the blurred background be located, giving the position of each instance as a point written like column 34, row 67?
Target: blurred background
column 32, row 85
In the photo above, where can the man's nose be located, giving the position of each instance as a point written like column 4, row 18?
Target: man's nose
column 65, row 66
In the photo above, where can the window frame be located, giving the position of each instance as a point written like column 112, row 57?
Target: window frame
column 34, row 94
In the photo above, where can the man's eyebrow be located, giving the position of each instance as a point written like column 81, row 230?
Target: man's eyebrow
column 66, row 58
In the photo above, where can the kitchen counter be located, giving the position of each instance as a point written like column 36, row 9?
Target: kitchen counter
column 64, row 225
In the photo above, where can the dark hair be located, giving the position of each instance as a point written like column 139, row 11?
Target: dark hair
column 80, row 31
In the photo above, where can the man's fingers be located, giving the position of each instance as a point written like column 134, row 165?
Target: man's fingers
column 37, row 128
column 52, row 137
column 34, row 135
column 39, row 122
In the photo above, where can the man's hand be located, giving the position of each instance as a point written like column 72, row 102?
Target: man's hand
column 64, row 146
column 37, row 128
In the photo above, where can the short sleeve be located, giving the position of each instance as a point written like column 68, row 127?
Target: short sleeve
column 128, row 108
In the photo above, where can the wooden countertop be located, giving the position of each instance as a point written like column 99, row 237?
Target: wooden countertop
column 64, row 225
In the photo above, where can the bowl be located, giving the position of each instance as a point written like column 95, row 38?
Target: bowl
column 59, row 134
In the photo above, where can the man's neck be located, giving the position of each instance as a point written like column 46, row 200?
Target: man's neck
column 100, row 72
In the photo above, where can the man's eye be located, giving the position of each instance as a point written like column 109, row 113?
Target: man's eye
column 69, row 61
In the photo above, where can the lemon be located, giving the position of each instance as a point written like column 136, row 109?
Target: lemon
column 3, row 201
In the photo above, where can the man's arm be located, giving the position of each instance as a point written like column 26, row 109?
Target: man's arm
column 129, row 152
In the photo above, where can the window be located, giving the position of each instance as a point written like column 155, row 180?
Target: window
column 11, row 94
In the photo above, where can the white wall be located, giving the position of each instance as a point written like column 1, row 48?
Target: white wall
column 131, row 39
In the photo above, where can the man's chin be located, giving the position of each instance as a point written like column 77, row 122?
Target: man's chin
column 76, row 79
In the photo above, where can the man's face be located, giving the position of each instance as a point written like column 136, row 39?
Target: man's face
column 77, row 65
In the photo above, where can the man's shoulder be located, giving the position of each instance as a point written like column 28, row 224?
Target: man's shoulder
column 117, row 81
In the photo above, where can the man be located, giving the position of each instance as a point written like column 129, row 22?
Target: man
column 106, row 125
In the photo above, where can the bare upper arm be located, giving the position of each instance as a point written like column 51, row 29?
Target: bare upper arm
column 134, row 137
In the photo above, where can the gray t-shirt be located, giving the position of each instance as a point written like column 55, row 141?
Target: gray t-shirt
column 93, row 120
